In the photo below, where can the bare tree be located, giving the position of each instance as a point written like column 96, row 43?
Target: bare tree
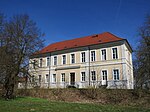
column 2, row 22
column 142, row 63
column 21, row 38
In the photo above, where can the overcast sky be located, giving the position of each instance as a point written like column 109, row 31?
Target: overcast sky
column 68, row 19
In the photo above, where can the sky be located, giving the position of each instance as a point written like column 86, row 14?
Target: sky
column 67, row 19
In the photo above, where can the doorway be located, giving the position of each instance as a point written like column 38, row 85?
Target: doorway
column 72, row 78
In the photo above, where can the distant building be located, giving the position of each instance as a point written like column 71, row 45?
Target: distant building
column 91, row 61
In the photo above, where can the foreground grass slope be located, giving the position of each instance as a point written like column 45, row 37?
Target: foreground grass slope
column 29, row 104
column 133, row 98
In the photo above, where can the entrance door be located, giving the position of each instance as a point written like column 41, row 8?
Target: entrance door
column 72, row 78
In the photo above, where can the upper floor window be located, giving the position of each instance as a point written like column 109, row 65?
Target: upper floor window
column 93, row 76
column 83, row 57
column 82, row 76
column 40, row 64
column 63, row 77
column 55, row 60
column 104, row 74
column 72, row 58
column 54, row 78
column 129, row 56
column 64, row 59
column 92, row 55
column 116, row 74
column 48, row 61
column 115, row 53
column 103, row 52
column 46, row 78
column 34, row 64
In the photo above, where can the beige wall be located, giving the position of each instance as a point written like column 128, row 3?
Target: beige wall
column 123, row 63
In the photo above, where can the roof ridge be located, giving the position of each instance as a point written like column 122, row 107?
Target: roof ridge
column 77, row 38
column 114, row 35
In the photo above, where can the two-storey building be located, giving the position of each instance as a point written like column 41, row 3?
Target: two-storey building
column 91, row 61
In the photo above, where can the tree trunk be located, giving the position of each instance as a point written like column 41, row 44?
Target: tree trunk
column 9, row 88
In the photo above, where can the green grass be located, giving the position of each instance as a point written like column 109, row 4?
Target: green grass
column 28, row 104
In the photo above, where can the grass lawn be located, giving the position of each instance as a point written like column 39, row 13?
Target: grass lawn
column 28, row 104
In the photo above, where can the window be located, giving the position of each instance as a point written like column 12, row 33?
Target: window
column 129, row 56
column 41, row 62
column 93, row 76
column 92, row 55
column 46, row 78
column 104, row 74
column 115, row 53
column 33, row 78
column 83, row 76
column 83, row 57
column 54, row 78
column 63, row 77
column 72, row 58
column 48, row 61
column 40, row 78
column 34, row 63
column 55, row 60
column 116, row 74
column 64, row 59
column 103, row 54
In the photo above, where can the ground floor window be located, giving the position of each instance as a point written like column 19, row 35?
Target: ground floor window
column 32, row 78
column 104, row 74
column 46, row 78
column 116, row 74
column 54, row 78
column 63, row 77
column 93, row 76
column 40, row 78
column 82, row 76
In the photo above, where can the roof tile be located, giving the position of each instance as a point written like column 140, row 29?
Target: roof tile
column 80, row 42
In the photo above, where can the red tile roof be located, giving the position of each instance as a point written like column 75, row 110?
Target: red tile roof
column 80, row 42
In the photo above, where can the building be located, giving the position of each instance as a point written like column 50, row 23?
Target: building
column 91, row 61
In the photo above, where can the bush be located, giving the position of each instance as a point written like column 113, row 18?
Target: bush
column 91, row 95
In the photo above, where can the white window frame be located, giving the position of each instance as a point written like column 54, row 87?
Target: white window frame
column 65, row 59
column 54, row 63
column 103, row 74
column 129, row 55
column 82, row 76
column 71, row 58
column 116, row 76
column 117, row 53
column 102, row 58
column 54, row 80
column 92, row 76
column 46, row 78
column 39, row 78
column 32, row 78
column 47, row 64
column 91, row 56
column 63, row 77
column 34, row 63
column 40, row 62
column 83, row 58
